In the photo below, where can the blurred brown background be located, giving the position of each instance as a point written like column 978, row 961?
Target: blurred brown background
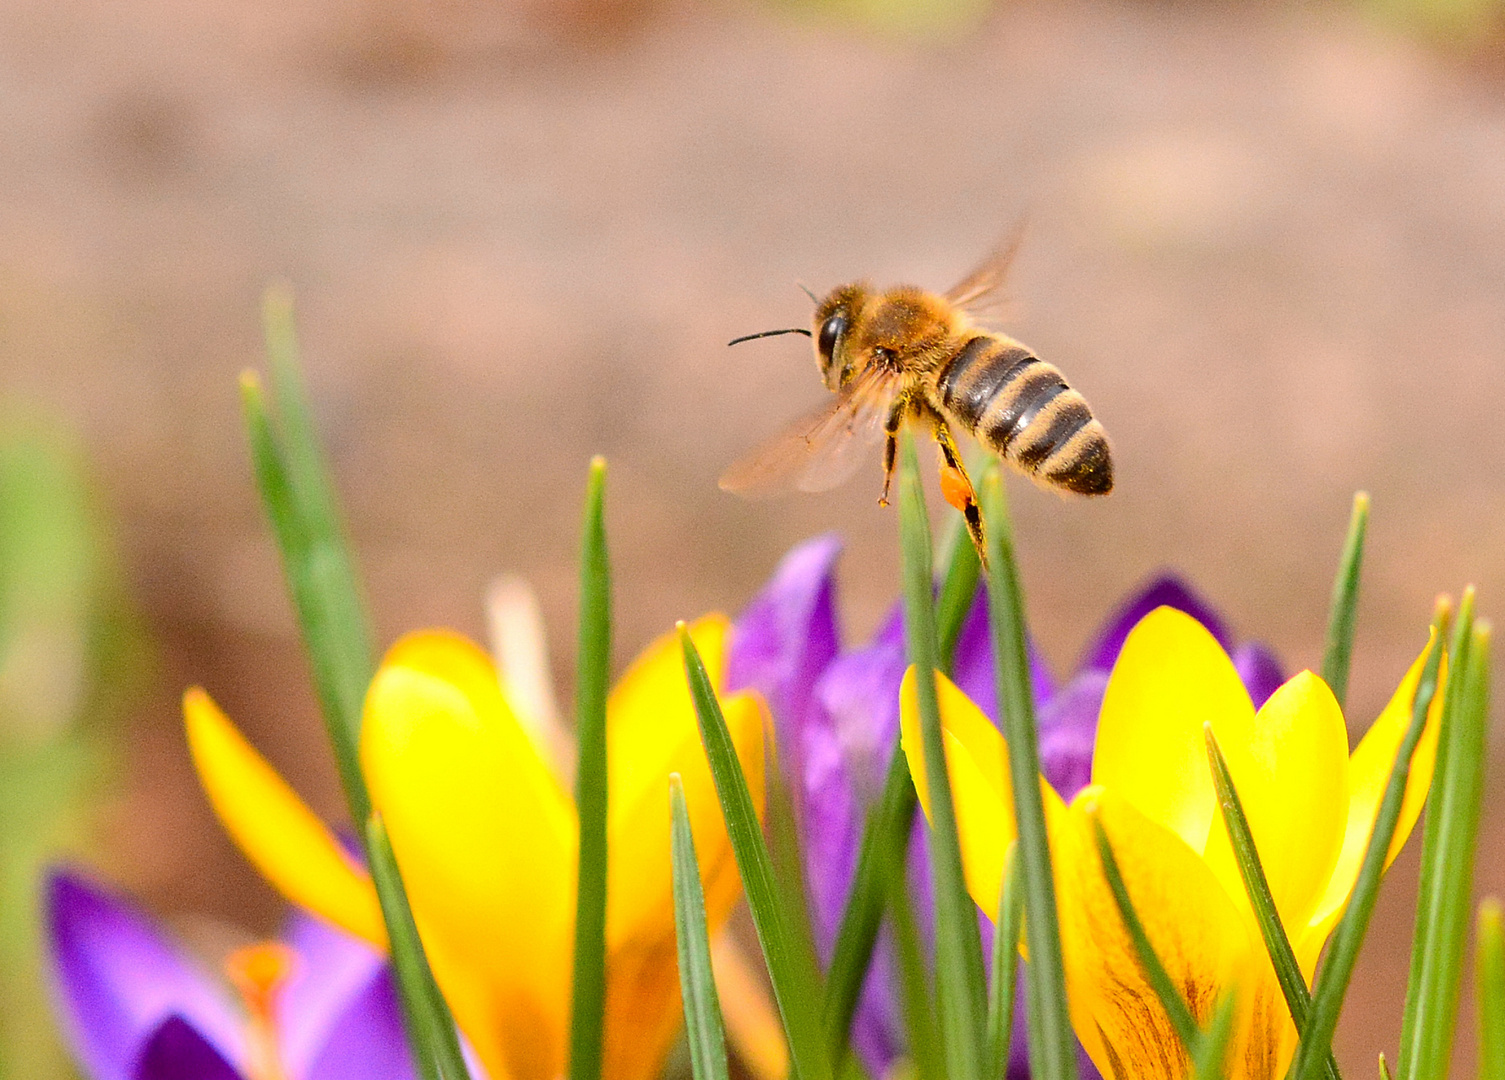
column 1266, row 240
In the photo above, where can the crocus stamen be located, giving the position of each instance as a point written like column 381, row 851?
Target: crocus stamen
column 259, row 973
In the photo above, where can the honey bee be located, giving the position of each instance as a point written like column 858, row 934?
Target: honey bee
column 908, row 355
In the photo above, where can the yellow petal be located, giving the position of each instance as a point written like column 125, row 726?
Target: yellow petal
column 1171, row 677
column 752, row 1022
column 1199, row 936
column 650, row 711
column 1291, row 775
column 977, row 764
column 486, row 841
column 1368, row 773
column 282, row 837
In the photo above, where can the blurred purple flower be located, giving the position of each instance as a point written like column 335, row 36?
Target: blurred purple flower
column 837, row 716
column 133, row 1008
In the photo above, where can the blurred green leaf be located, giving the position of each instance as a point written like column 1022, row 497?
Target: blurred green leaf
column 430, row 1028
column 1051, row 1042
column 1208, row 1061
column 1343, row 613
column 916, row 998
column 1489, row 969
column 885, row 834
column 1005, row 981
column 73, row 656
column 697, row 983
column 593, row 680
column 320, row 571
column 959, row 976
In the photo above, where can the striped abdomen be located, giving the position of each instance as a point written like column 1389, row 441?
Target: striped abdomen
column 1020, row 407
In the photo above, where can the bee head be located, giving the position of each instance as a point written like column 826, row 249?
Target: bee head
column 834, row 318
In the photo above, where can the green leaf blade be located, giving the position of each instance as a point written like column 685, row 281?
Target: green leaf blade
column 431, row 1029
column 791, row 969
column 1342, row 618
column 341, row 673
column 1257, row 887
column 1052, row 1044
column 1452, row 827
column 885, row 835
column 1176, row 1009
column 1490, row 972
column 1005, row 978
column 1343, row 949
column 697, row 982
column 593, row 665
column 959, row 971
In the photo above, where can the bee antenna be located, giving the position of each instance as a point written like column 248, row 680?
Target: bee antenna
column 769, row 333
column 813, row 298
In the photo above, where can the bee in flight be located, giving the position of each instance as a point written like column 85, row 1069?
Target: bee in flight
column 909, row 355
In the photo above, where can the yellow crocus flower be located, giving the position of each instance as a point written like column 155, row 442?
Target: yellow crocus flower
column 487, row 837
column 1310, row 805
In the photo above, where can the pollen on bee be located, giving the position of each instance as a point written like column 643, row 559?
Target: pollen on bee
column 954, row 487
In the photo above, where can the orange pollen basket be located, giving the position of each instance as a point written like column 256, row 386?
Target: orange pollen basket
column 259, row 974
column 955, row 487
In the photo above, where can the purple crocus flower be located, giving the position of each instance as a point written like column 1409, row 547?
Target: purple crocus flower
column 837, row 719
column 134, row 1008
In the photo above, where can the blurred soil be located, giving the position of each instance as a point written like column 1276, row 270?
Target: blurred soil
column 1267, row 242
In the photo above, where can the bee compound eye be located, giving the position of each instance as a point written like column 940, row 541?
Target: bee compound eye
column 830, row 332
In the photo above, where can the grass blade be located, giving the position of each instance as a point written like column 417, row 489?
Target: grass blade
column 1452, row 829
column 959, row 978
column 431, row 1029
column 316, row 561
column 1006, row 930
column 697, row 984
column 1490, row 969
column 791, row 968
column 957, row 595
column 885, row 835
column 1343, row 950
column 1051, row 1043
column 1257, row 887
column 593, row 666
column 916, row 1000
column 1427, row 884
column 1176, row 1009
column 321, row 583
column 1342, row 613
column 1208, row 1062
column 330, row 604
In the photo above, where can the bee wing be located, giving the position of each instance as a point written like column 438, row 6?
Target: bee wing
column 823, row 449
column 982, row 289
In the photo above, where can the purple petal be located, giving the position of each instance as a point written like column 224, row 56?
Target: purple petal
column 859, row 704
column 366, row 1041
column 176, row 1051
column 877, row 1026
column 1260, row 669
column 972, row 667
column 117, row 981
column 787, row 637
column 334, row 969
column 1068, row 729
column 832, row 830
column 1166, row 590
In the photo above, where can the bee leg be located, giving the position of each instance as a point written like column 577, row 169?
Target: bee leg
column 891, row 425
column 956, row 486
